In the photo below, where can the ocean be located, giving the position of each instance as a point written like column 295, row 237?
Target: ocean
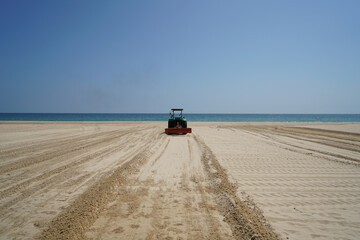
column 195, row 117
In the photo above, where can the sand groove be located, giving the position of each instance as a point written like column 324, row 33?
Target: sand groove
column 56, row 182
column 349, row 142
column 54, row 141
column 167, row 199
column 304, row 188
column 67, row 147
column 245, row 219
column 82, row 213
column 51, row 175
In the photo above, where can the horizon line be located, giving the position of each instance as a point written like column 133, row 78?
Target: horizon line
column 168, row 113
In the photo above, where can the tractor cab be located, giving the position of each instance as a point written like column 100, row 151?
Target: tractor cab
column 177, row 122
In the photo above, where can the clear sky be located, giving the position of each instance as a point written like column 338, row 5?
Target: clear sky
column 205, row 56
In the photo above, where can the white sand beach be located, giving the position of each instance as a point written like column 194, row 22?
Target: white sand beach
column 129, row 180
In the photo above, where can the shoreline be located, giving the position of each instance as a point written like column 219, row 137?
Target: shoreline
column 192, row 122
column 352, row 126
column 190, row 117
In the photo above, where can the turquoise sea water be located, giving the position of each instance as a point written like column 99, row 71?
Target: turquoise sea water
column 190, row 117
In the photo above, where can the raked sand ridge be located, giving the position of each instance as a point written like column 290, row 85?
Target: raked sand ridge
column 128, row 180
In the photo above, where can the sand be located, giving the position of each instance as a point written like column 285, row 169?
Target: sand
column 128, row 180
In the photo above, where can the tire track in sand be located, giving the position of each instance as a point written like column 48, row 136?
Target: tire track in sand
column 245, row 219
column 76, row 219
column 180, row 193
column 74, row 163
column 306, row 135
column 29, row 208
column 66, row 148
column 301, row 195
column 50, row 143
column 167, row 199
column 50, row 177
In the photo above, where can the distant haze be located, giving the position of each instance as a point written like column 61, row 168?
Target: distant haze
column 204, row 56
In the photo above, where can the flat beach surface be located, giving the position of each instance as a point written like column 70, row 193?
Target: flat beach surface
column 129, row 180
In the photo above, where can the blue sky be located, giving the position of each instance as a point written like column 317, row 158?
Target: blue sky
column 205, row 56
